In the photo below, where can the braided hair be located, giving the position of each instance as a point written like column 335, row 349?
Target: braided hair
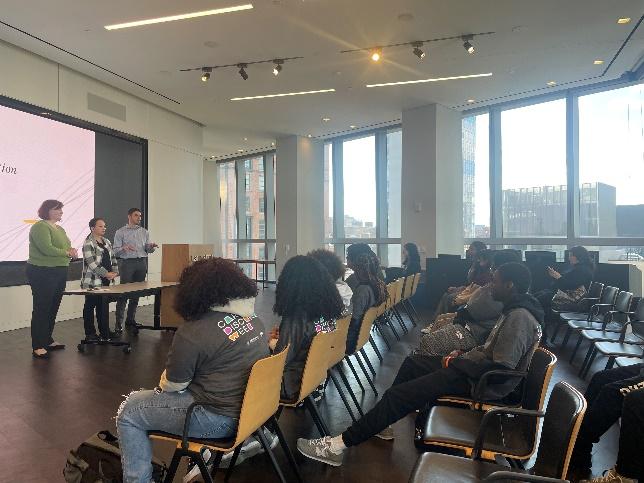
column 366, row 266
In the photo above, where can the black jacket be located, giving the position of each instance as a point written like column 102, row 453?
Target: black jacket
column 574, row 278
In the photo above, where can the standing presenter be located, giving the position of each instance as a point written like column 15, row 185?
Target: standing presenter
column 131, row 246
column 50, row 251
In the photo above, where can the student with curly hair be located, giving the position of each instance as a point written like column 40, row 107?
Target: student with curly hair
column 210, row 360
column 335, row 267
column 308, row 302
column 369, row 291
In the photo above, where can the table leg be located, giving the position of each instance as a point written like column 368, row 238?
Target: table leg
column 157, row 310
column 104, row 323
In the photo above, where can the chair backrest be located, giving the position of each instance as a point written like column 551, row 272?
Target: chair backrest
column 381, row 309
column 399, row 290
column 317, row 363
column 408, row 287
column 638, row 314
column 262, row 395
column 339, row 342
column 416, row 281
column 536, row 383
column 623, row 301
column 365, row 327
column 391, row 294
column 564, row 414
column 595, row 290
column 609, row 294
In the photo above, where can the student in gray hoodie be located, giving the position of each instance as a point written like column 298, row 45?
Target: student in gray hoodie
column 422, row 380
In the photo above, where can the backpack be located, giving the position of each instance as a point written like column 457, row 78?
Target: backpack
column 98, row 460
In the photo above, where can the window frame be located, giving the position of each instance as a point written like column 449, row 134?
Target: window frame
column 573, row 235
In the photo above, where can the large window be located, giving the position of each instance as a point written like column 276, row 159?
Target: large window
column 533, row 153
column 564, row 170
column 248, row 211
column 476, row 179
column 362, row 193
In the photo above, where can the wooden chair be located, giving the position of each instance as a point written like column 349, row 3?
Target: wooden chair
column 408, row 288
column 398, row 293
column 363, row 337
column 511, row 437
column 260, row 403
column 563, row 417
column 314, row 374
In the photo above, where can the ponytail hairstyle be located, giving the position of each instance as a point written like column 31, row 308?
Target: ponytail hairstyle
column 366, row 267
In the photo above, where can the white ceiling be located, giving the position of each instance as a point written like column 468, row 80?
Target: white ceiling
column 535, row 42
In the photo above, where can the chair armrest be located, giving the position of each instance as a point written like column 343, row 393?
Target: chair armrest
column 511, row 475
column 186, row 423
column 481, row 385
column 594, row 310
column 487, row 418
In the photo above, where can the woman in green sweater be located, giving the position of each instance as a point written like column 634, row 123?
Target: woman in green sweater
column 50, row 251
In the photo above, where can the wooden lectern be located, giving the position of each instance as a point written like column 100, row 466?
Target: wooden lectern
column 174, row 258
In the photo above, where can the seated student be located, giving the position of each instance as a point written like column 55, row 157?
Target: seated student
column 308, row 302
column 410, row 263
column 369, row 291
column 99, row 270
column 209, row 361
column 353, row 252
column 469, row 326
column 335, row 267
column 479, row 274
column 613, row 394
column 422, row 380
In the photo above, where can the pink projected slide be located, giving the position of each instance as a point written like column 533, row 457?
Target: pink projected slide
column 42, row 159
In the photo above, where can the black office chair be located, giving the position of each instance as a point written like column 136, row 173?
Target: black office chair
column 592, row 297
column 561, row 424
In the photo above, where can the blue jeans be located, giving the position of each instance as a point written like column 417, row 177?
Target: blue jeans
column 144, row 411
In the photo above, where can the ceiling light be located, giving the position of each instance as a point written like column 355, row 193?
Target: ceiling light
column 309, row 136
column 352, row 126
column 623, row 20
column 471, row 101
column 278, row 67
column 273, row 144
column 242, row 71
column 245, row 139
column 281, row 95
column 437, row 79
column 240, row 150
column 205, row 75
column 551, row 83
column 598, row 62
column 183, row 16
column 467, row 44
column 326, row 119
column 418, row 52
column 375, row 54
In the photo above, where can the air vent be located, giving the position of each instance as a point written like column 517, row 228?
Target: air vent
column 105, row 106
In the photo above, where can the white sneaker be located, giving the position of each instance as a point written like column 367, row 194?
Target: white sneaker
column 320, row 450
column 193, row 469
column 251, row 447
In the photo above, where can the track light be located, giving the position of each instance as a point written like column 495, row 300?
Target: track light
column 242, row 71
column 376, row 54
column 418, row 52
column 277, row 68
column 205, row 73
column 467, row 44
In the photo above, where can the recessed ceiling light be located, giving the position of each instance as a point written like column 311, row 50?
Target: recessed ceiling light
column 598, row 62
column 212, row 157
column 273, row 144
column 309, row 136
column 471, row 101
column 376, row 55
column 551, row 83
column 245, row 139
column 183, row 16
column 437, row 79
column 352, row 126
column 282, row 95
column 326, row 119
column 623, row 20
column 240, row 150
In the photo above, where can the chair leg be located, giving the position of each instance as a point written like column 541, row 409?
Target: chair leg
column 203, row 468
column 555, row 331
column 412, row 317
column 590, row 364
column 566, row 337
column 611, row 362
column 383, row 335
column 342, row 396
column 174, row 464
column 401, row 322
column 355, row 374
column 317, row 417
column 366, row 374
column 368, row 362
column 587, row 358
column 574, row 351
column 286, row 449
column 375, row 348
column 233, row 462
column 345, row 381
column 413, row 308
column 390, row 324
column 267, row 448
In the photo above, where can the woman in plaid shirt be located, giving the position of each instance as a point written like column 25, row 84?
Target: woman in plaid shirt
column 99, row 270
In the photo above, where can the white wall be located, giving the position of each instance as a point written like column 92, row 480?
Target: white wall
column 176, row 195
column 432, row 179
